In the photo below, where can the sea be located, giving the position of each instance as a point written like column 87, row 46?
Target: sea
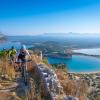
column 78, row 63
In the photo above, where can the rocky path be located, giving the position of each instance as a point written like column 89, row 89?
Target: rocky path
column 25, row 92
column 18, row 90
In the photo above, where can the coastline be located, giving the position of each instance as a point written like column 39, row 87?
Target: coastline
column 87, row 72
column 98, row 47
column 83, row 54
column 86, row 54
column 95, row 72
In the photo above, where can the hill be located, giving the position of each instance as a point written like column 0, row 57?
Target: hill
column 2, row 36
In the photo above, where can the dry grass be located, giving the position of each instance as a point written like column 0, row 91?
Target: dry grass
column 71, row 87
column 62, row 74
column 6, row 68
column 8, row 96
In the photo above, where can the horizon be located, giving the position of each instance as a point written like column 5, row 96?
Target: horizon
column 58, row 34
column 54, row 34
column 34, row 17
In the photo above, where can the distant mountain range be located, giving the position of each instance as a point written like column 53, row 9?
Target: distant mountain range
column 70, row 33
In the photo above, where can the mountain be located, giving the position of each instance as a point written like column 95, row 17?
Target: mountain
column 69, row 33
column 2, row 36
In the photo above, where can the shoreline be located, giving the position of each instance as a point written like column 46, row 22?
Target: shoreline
column 95, row 72
column 86, row 48
column 83, row 54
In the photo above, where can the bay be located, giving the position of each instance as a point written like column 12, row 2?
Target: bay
column 78, row 63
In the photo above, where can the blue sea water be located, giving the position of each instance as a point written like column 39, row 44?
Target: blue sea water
column 78, row 63
column 8, row 45
column 16, row 42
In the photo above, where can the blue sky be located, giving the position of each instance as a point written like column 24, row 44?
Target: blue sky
column 29, row 17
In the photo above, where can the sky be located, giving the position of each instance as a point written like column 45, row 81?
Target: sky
column 29, row 17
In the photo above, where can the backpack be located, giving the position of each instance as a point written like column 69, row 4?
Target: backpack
column 22, row 55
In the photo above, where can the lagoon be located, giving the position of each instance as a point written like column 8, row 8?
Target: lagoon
column 78, row 63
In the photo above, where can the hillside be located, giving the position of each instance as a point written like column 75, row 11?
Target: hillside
column 2, row 36
column 45, row 82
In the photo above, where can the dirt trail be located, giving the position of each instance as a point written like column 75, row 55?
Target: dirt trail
column 20, row 92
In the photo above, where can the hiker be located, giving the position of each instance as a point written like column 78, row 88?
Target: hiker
column 12, row 54
column 23, row 54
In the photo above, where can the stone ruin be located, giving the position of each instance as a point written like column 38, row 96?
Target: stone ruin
column 49, row 84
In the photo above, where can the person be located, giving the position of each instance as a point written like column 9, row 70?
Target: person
column 21, row 57
column 12, row 54
column 23, row 54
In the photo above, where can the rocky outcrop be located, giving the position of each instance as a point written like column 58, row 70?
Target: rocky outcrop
column 49, row 84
